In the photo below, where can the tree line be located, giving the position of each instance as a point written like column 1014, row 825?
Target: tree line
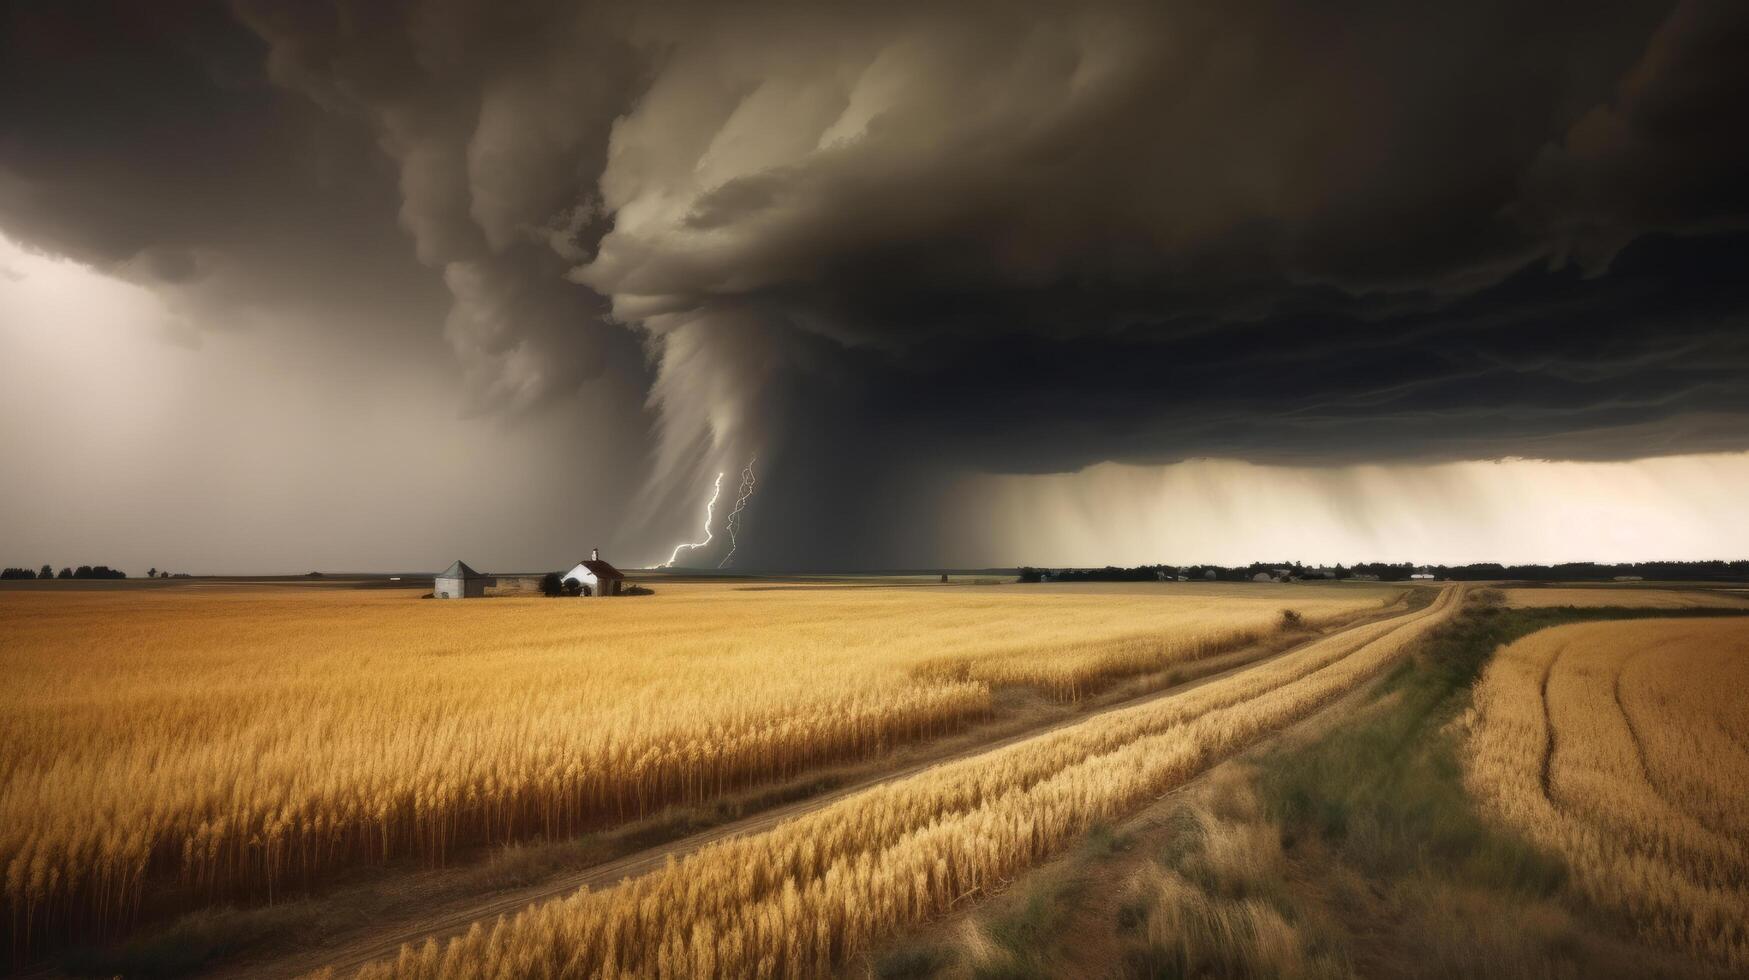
column 79, row 573
column 48, row 572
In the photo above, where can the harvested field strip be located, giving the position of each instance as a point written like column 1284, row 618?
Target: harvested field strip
column 799, row 899
column 1622, row 746
column 1625, row 596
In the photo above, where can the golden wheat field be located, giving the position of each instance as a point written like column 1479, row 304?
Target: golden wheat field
column 1624, row 746
column 799, row 900
column 188, row 746
column 1639, row 598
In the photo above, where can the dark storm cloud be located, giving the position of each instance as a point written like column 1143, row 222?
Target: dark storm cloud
column 874, row 244
column 149, row 144
column 1648, row 360
column 188, row 149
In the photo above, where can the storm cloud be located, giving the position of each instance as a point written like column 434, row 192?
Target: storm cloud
column 884, row 246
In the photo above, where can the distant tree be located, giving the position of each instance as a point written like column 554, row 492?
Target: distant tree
column 83, row 571
column 550, row 586
column 573, row 588
column 15, row 573
column 65, row 573
column 47, row 571
column 152, row 572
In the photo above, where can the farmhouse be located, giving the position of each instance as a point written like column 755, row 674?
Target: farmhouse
column 461, row 582
column 594, row 577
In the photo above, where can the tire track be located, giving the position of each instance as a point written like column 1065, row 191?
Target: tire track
column 1659, row 786
column 1627, row 719
column 1545, row 775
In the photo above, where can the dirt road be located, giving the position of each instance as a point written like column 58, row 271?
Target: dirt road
column 387, row 939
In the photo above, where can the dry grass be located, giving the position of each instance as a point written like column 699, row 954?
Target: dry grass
column 1215, row 903
column 1190, row 933
column 1626, row 597
column 804, row 897
column 189, row 747
column 1625, row 747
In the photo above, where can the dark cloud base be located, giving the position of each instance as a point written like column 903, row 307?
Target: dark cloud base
column 1648, row 359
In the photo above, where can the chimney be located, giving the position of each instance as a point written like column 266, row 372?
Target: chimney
column 594, row 554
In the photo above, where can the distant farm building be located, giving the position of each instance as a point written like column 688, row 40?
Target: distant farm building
column 594, row 577
column 1363, row 577
column 461, row 582
column 1263, row 577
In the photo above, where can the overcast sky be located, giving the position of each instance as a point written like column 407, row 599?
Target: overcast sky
column 373, row 285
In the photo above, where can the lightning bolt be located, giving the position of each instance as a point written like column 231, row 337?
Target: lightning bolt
column 734, row 524
column 709, row 515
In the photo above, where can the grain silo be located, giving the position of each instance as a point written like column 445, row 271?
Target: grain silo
column 461, row 582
